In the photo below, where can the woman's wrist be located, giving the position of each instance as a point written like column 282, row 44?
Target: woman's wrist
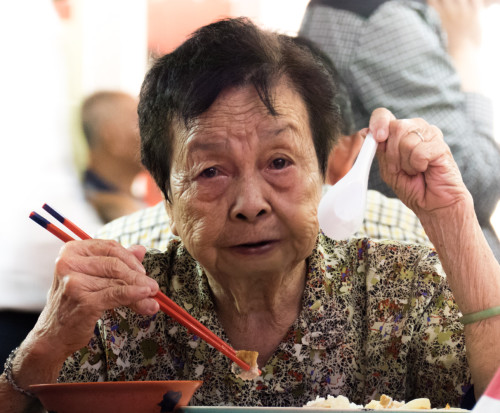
column 32, row 352
column 472, row 318
column 445, row 224
column 10, row 377
column 471, row 268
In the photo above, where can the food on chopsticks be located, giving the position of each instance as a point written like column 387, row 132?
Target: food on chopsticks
column 249, row 357
column 385, row 403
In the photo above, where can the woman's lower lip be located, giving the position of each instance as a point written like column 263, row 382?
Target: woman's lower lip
column 257, row 249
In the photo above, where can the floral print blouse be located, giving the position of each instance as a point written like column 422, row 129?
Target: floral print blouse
column 377, row 318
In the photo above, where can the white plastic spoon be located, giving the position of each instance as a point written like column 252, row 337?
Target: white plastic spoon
column 342, row 208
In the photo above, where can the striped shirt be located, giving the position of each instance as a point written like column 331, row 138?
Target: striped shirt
column 397, row 59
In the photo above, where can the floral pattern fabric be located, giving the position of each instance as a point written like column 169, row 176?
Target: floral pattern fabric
column 377, row 318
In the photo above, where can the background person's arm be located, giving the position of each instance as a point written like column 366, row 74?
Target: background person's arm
column 461, row 21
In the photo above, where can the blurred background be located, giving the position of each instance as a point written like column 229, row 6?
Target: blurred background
column 108, row 44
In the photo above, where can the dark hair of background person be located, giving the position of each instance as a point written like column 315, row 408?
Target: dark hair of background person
column 183, row 84
column 341, row 99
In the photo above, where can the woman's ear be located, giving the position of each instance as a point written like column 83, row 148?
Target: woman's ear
column 170, row 213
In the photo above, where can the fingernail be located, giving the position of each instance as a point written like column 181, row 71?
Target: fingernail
column 139, row 267
column 143, row 290
column 381, row 133
column 153, row 307
column 153, row 285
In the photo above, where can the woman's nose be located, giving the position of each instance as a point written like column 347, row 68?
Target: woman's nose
column 250, row 202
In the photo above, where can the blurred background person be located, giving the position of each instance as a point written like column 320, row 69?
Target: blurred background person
column 36, row 162
column 419, row 59
column 109, row 123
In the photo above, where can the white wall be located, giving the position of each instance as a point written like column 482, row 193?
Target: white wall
column 109, row 49
column 281, row 15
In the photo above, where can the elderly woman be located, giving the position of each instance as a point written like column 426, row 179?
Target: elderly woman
column 236, row 128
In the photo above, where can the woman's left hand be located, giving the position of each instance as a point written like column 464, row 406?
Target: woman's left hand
column 421, row 170
column 417, row 164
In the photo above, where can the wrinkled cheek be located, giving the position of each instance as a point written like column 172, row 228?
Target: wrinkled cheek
column 310, row 232
column 191, row 226
column 305, row 232
column 197, row 232
column 308, row 207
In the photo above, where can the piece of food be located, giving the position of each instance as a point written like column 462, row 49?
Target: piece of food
column 418, row 404
column 249, row 357
column 385, row 403
column 331, row 402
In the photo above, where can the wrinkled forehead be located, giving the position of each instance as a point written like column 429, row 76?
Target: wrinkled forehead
column 238, row 110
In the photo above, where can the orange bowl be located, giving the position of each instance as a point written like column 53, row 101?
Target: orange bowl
column 116, row 396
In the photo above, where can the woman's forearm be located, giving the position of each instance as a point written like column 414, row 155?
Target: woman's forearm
column 473, row 274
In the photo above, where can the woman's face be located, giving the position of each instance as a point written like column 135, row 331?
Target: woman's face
column 246, row 185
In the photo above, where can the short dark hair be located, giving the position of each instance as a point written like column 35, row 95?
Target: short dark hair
column 182, row 85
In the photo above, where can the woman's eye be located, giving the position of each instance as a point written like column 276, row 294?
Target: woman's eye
column 279, row 163
column 209, row 172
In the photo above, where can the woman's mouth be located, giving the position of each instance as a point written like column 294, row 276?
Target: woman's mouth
column 255, row 248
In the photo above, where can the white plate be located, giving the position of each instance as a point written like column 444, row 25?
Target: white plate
column 225, row 409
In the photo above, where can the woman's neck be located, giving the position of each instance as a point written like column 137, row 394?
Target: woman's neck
column 257, row 313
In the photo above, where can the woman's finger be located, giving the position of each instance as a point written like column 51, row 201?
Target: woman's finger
column 92, row 295
column 404, row 136
column 420, row 147
column 379, row 123
column 139, row 251
column 110, row 248
column 103, row 267
column 102, row 259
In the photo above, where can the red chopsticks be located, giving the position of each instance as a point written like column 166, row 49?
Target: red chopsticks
column 166, row 304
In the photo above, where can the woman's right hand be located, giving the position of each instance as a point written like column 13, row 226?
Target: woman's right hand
column 92, row 276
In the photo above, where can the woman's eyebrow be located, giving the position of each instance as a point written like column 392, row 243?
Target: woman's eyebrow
column 276, row 131
column 201, row 146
